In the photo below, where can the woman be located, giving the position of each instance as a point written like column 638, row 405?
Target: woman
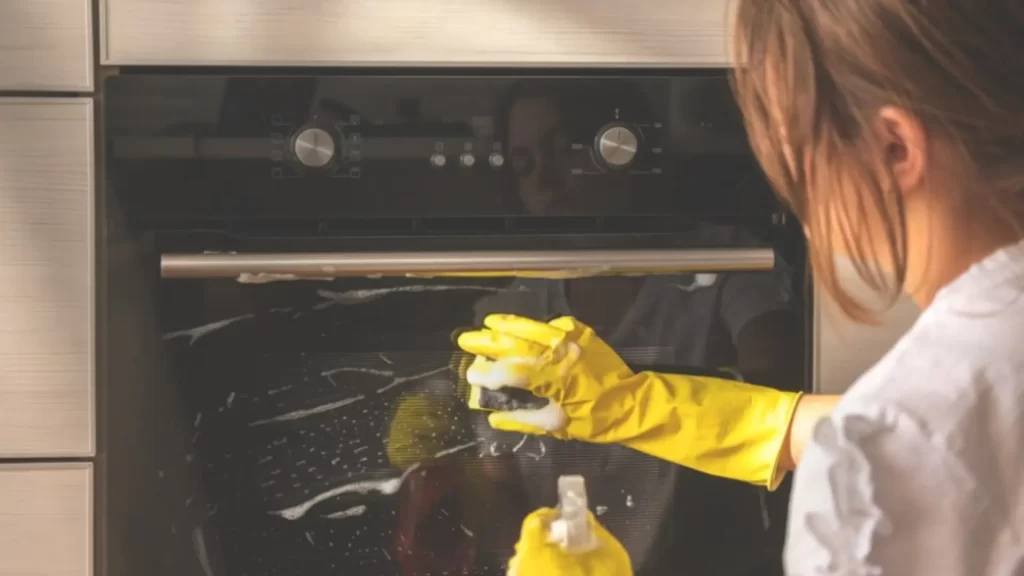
column 895, row 131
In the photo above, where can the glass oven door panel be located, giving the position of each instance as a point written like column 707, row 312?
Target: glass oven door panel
column 259, row 424
column 306, row 426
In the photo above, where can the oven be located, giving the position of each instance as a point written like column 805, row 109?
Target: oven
column 287, row 255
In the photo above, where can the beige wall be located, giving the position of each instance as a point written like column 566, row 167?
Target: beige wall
column 845, row 349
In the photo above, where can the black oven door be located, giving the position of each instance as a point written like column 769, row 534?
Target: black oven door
column 281, row 393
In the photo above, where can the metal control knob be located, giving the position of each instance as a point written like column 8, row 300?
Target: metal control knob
column 617, row 146
column 467, row 160
column 314, row 147
column 496, row 160
column 438, row 160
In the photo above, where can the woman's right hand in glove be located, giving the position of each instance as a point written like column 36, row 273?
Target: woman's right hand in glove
column 720, row 427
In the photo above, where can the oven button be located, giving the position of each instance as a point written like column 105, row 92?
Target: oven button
column 314, row 147
column 496, row 160
column 467, row 160
column 617, row 146
column 438, row 160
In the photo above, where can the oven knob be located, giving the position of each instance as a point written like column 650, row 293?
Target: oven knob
column 617, row 146
column 314, row 147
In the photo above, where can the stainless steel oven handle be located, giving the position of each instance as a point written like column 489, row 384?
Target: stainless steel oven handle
column 532, row 263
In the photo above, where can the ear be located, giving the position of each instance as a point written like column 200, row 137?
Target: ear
column 905, row 146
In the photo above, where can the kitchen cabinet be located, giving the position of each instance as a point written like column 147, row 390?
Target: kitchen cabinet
column 46, row 519
column 678, row 33
column 47, row 45
column 844, row 349
column 46, row 278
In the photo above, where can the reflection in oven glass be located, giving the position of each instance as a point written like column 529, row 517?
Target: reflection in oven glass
column 294, row 428
column 331, row 430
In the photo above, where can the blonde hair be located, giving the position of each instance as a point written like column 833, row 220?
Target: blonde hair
column 813, row 77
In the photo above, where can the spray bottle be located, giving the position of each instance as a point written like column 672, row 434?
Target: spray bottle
column 572, row 530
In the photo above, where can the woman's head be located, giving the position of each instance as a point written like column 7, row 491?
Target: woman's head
column 867, row 115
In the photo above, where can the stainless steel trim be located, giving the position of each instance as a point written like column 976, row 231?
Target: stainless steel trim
column 540, row 263
column 491, row 33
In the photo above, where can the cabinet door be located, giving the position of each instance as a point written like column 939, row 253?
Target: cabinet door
column 46, row 520
column 47, row 45
column 46, row 278
column 416, row 32
column 844, row 349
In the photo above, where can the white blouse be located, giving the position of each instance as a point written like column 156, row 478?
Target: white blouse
column 920, row 469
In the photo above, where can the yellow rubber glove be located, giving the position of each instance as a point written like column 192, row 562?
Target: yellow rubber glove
column 720, row 427
column 536, row 555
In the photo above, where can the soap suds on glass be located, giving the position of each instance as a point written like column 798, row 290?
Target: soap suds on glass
column 543, row 451
column 520, row 445
column 385, row 487
column 199, row 547
column 703, row 280
column 298, row 414
column 359, row 370
column 266, row 278
column 459, row 448
column 348, row 512
column 198, row 332
column 363, row 295
column 404, row 379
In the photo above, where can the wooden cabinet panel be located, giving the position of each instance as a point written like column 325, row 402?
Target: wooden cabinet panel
column 47, row 45
column 46, row 520
column 46, row 278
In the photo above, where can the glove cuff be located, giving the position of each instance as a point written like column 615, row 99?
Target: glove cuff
column 775, row 448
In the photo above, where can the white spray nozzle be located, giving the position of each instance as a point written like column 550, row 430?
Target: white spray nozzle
column 572, row 529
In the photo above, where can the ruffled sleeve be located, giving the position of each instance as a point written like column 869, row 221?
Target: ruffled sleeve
column 878, row 495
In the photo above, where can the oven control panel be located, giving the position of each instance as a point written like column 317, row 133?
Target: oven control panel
column 378, row 146
column 549, row 125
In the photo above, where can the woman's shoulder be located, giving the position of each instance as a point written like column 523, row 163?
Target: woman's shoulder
column 879, row 491
column 955, row 369
column 917, row 469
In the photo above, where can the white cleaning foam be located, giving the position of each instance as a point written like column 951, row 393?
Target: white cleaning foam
column 549, row 418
